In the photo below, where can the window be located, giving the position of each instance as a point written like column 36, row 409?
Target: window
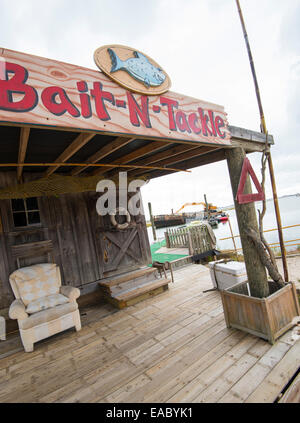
column 25, row 212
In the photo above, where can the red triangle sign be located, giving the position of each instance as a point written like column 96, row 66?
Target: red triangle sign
column 248, row 198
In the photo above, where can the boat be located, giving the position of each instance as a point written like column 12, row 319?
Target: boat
column 213, row 221
column 222, row 218
column 195, row 223
column 165, row 220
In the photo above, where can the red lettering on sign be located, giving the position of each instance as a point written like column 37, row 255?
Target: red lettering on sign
column 99, row 96
column 85, row 102
column 49, row 99
column 136, row 112
column 121, row 103
column 164, row 101
column 219, row 123
column 193, row 118
column 16, row 95
column 204, row 119
column 212, row 123
column 16, row 84
column 182, row 122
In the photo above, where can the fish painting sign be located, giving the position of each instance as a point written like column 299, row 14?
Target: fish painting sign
column 139, row 68
column 132, row 69
column 41, row 92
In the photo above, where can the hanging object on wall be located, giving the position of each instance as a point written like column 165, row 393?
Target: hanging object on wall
column 248, row 198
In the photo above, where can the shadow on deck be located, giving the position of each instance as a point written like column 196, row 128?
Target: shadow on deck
column 171, row 348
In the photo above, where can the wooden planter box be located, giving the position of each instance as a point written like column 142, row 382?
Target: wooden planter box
column 267, row 317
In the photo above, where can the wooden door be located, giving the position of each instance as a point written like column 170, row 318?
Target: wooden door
column 121, row 250
column 73, row 238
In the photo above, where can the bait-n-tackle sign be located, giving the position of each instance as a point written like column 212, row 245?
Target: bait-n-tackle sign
column 44, row 92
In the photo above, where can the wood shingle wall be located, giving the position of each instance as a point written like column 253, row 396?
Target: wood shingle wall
column 86, row 246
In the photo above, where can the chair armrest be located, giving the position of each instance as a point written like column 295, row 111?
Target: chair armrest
column 17, row 310
column 71, row 292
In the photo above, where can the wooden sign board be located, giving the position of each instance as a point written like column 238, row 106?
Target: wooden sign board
column 44, row 92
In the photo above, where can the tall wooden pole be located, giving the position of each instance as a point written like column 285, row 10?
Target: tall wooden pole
column 152, row 221
column 207, row 211
column 246, row 217
column 264, row 130
column 233, row 240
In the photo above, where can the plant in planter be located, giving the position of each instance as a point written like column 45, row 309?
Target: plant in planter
column 269, row 310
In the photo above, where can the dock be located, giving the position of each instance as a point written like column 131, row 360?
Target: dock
column 171, row 348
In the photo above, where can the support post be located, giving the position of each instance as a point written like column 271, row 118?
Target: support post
column 264, row 130
column 152, row 221
column 233, row 240
column 246, row 217
column 190, row 244
column 206, row 204
column 167, row 240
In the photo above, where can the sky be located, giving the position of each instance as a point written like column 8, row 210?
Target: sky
column 200, row 45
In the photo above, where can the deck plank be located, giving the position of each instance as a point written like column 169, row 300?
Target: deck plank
column 270, row 387
column 171, row 348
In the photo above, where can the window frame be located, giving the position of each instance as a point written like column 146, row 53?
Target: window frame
column 26, row 211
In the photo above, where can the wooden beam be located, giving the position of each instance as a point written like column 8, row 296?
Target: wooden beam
column 180, row 157
column 186, row 155
column 24, row 136
column 55, row 164
column 104, row 151
column 178, row 149
column 204, row 159
column 248, row 135
column 170, row 152
column 76, row 145
column 250, row 141
column 140, row 152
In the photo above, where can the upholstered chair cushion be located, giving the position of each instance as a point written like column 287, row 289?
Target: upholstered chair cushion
column 71, row 292
column 46, row 302
column 17, row 310
column 37, row 281
column 46, row 316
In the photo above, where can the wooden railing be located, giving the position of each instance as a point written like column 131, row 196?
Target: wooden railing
column 273, row 244
column 199, row 240
column 196, row 239
column 177, row 238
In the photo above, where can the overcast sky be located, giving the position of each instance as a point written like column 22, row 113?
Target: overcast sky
column 200, row 44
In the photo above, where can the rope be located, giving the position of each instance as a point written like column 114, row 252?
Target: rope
column 54, row 185
column 215, row 275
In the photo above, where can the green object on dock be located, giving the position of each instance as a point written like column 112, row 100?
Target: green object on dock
column 162, row 257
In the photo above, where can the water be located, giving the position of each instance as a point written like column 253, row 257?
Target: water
column 289, row 211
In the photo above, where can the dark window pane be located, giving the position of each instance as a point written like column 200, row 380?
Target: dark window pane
column 33, row 217
column 18, row 205
column 19, row 219
column 31, row 203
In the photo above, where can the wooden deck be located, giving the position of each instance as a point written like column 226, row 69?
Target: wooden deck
column 171, row 348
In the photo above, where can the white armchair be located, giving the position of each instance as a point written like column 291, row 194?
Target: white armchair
column 42, row 306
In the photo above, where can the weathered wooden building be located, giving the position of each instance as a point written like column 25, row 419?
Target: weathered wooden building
column 57, row 117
